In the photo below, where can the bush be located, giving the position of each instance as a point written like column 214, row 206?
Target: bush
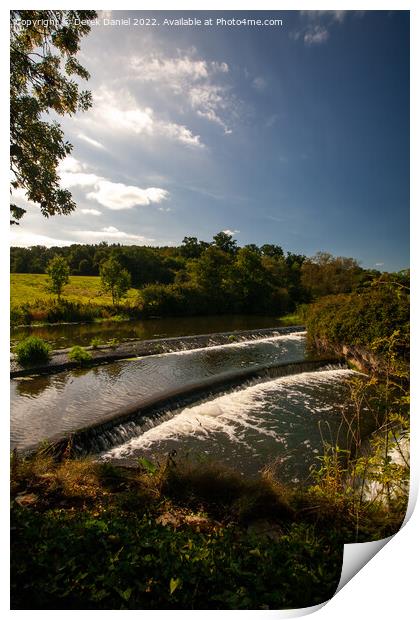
column 32, row 350
column 361, row 318
column 80, row 355
column 95, row 342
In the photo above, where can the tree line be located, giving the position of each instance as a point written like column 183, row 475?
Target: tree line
column 201, row 277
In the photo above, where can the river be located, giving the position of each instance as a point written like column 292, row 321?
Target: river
column 283, row 419
column 70, row 334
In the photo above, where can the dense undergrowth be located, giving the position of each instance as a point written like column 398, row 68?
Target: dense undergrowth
column 179, row 534
column 64, row 311
column 366, row 318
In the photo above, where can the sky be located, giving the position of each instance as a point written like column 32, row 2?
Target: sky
column 295, row 134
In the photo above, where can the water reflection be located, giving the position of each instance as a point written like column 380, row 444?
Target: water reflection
column 62, row 336
column 66, row 401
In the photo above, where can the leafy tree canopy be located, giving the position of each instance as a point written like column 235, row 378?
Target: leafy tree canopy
column 43, row 50
column 225, row 242
column 58, row 271
column 114, row 279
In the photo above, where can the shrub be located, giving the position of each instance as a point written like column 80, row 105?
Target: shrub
column 361, row 318
column 80, row 355
column 95, row 342
column 32, row 350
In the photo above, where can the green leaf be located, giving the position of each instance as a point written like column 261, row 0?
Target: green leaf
column 173, row 585
column 125, row 594
column 150, row 467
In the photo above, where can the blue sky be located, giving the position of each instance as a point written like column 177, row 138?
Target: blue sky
column 295, row 134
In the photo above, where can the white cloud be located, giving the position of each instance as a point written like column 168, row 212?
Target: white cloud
column 115, row 196
column 207, row 101
column 72, row 173
column 111, row 233
column 230, row 232
column 118, row 196
column 91, row 141
column 175, row 72
column 317, row 26
column 133, row 119
column 89, row 211
column 24, row 239
column 70, row 164
column 379, row 264
column 317, row 34
column 192, row 78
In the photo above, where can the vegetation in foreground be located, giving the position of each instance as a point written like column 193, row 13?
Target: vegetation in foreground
column 32, row 350
column 175, row 535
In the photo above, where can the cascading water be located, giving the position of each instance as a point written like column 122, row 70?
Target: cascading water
column 44, row 406
column 284, row 420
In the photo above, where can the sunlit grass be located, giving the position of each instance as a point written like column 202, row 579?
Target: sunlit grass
column 32, row 287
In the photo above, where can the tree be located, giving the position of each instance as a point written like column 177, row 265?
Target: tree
column 225, row 242
column 43, row 49
column 58, row 271
column 271, row 250
column 114, row 279
column 325, row 274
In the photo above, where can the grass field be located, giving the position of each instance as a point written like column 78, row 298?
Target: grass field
column 32, row 287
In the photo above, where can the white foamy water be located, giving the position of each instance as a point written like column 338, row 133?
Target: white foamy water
column 281, row 412
column 292, row 337
column 47, row 405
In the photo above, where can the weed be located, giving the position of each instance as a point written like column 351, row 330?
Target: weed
column 80, row 355
column 32, row 350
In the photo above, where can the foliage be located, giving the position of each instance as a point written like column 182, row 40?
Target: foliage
column 114, row 279
column 80, row 355
column 58, row 272
column 32, row 350
column 225, row 242
column 196, row 278
column 96, row 342
column 371, row 315
column 172, row 535
column 43, row 59
column 325, row 274
column 129, row 545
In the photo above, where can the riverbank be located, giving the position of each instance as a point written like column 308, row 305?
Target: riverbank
column 103, row 354
column 175, row 535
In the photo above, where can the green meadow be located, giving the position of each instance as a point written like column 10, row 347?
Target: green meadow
column 30, row 288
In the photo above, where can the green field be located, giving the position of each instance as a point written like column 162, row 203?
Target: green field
column 32, row 287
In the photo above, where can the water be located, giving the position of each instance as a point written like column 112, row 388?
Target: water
column 284, row 420
column 43, row 406
column 68, row 335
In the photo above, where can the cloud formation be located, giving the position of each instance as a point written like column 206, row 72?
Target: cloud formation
column 24, row 238
column 317, row 25
column 115, row 196
column 111, row 233
column 90, row 211
column 131, row 118
column 230, row 232
column 194, row 79
column 91, row 141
